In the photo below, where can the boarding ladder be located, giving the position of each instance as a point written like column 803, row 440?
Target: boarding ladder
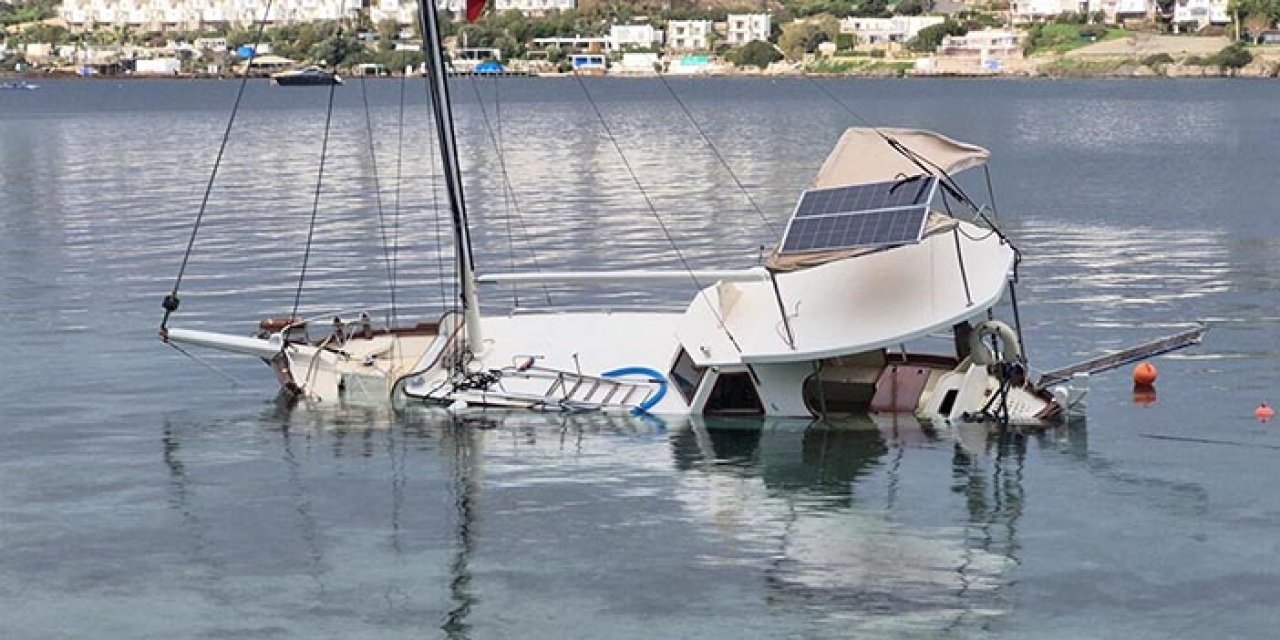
column 565, row 390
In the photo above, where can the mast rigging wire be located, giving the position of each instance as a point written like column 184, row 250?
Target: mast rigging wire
column 707, row 139
column 508, row 191
column 654, row 210
column 448, row 294
column 377, row 195
column 395, row 207
column 315, row 203
column 171, row 301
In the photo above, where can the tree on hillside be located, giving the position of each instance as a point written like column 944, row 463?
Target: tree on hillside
column 42, row 33
column 930, row 38
column 806, row 8
column 1258, row 15
column 338, row 50
column 1231, row 58
column 871, row 9
column 912, row 7
column 801, row 37
column 388, row 30
column 29, row 11
column 756, row 53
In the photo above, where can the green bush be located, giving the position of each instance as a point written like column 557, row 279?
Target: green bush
column 1157, row 60
column 1093, row 31
column 1232, row 57
column 929, row 38
column 755, row 53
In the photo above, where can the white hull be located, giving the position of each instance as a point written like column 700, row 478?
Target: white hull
column 726, row 354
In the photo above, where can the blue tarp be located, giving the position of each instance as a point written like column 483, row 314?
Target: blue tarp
column 492, row 66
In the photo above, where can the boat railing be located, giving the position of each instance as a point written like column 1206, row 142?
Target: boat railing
column 350, row 322
column 618, row 308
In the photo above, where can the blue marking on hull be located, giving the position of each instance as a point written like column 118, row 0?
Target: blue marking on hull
column 654, row 376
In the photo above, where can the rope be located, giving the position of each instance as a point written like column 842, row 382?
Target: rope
column 171, row 301
column 395, row 207
column 653, row 210
column 707, row 139
column 1005, row 374
column 234, row 382
column 315, row 204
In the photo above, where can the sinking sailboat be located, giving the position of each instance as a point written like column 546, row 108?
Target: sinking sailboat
column 876, row 257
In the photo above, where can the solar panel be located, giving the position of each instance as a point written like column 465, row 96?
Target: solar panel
column 876, row 228
column 866, row 197
column 877, row 214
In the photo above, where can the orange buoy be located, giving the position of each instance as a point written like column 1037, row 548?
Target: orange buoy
column 1145, row 374
column 1264, row 413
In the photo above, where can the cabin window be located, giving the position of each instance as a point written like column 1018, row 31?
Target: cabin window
column 734, row 395
column 686, row 376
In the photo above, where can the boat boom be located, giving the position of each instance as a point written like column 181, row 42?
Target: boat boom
column 260, row 347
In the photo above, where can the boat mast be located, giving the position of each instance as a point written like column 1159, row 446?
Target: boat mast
column 433, row 47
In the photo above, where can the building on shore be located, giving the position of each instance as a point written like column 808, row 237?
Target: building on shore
column 190, row 15
column 1027, row 11
column 747, row 27
column 576, row 44
column 1125, row 12
column 629, row 36
column 1198, row 14
column 985, row 42
column 534, row 8
column 984, row 52
column 689, row 35
column 889, row 34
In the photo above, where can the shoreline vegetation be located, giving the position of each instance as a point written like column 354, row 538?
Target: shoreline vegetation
column 812, row 42
column 1113, row 69
column 1155, row 66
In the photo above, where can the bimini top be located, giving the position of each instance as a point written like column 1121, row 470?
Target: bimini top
column 870, row 196
column 863, row 155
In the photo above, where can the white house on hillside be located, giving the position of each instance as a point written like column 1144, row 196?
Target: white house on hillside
column 534, row 7
column 746, row 27
column 1201, row 12
column 181, row 15
column 622, row 36
column 880, row 32
column 985, row 43
column 1024, row 11
column 172, row 15
column 689, row 35
column 1120, row 11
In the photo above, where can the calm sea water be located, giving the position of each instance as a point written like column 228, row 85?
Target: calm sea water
column 142, row 495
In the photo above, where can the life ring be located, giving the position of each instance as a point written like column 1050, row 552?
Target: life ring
column 981, row 353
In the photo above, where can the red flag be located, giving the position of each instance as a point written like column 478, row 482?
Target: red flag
column 474, row 7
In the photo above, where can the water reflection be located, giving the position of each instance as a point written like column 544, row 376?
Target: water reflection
column 879, row 569
column 882, row 525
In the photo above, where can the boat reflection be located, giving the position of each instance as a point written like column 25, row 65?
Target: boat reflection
column 862, row 536
column 880, row 524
